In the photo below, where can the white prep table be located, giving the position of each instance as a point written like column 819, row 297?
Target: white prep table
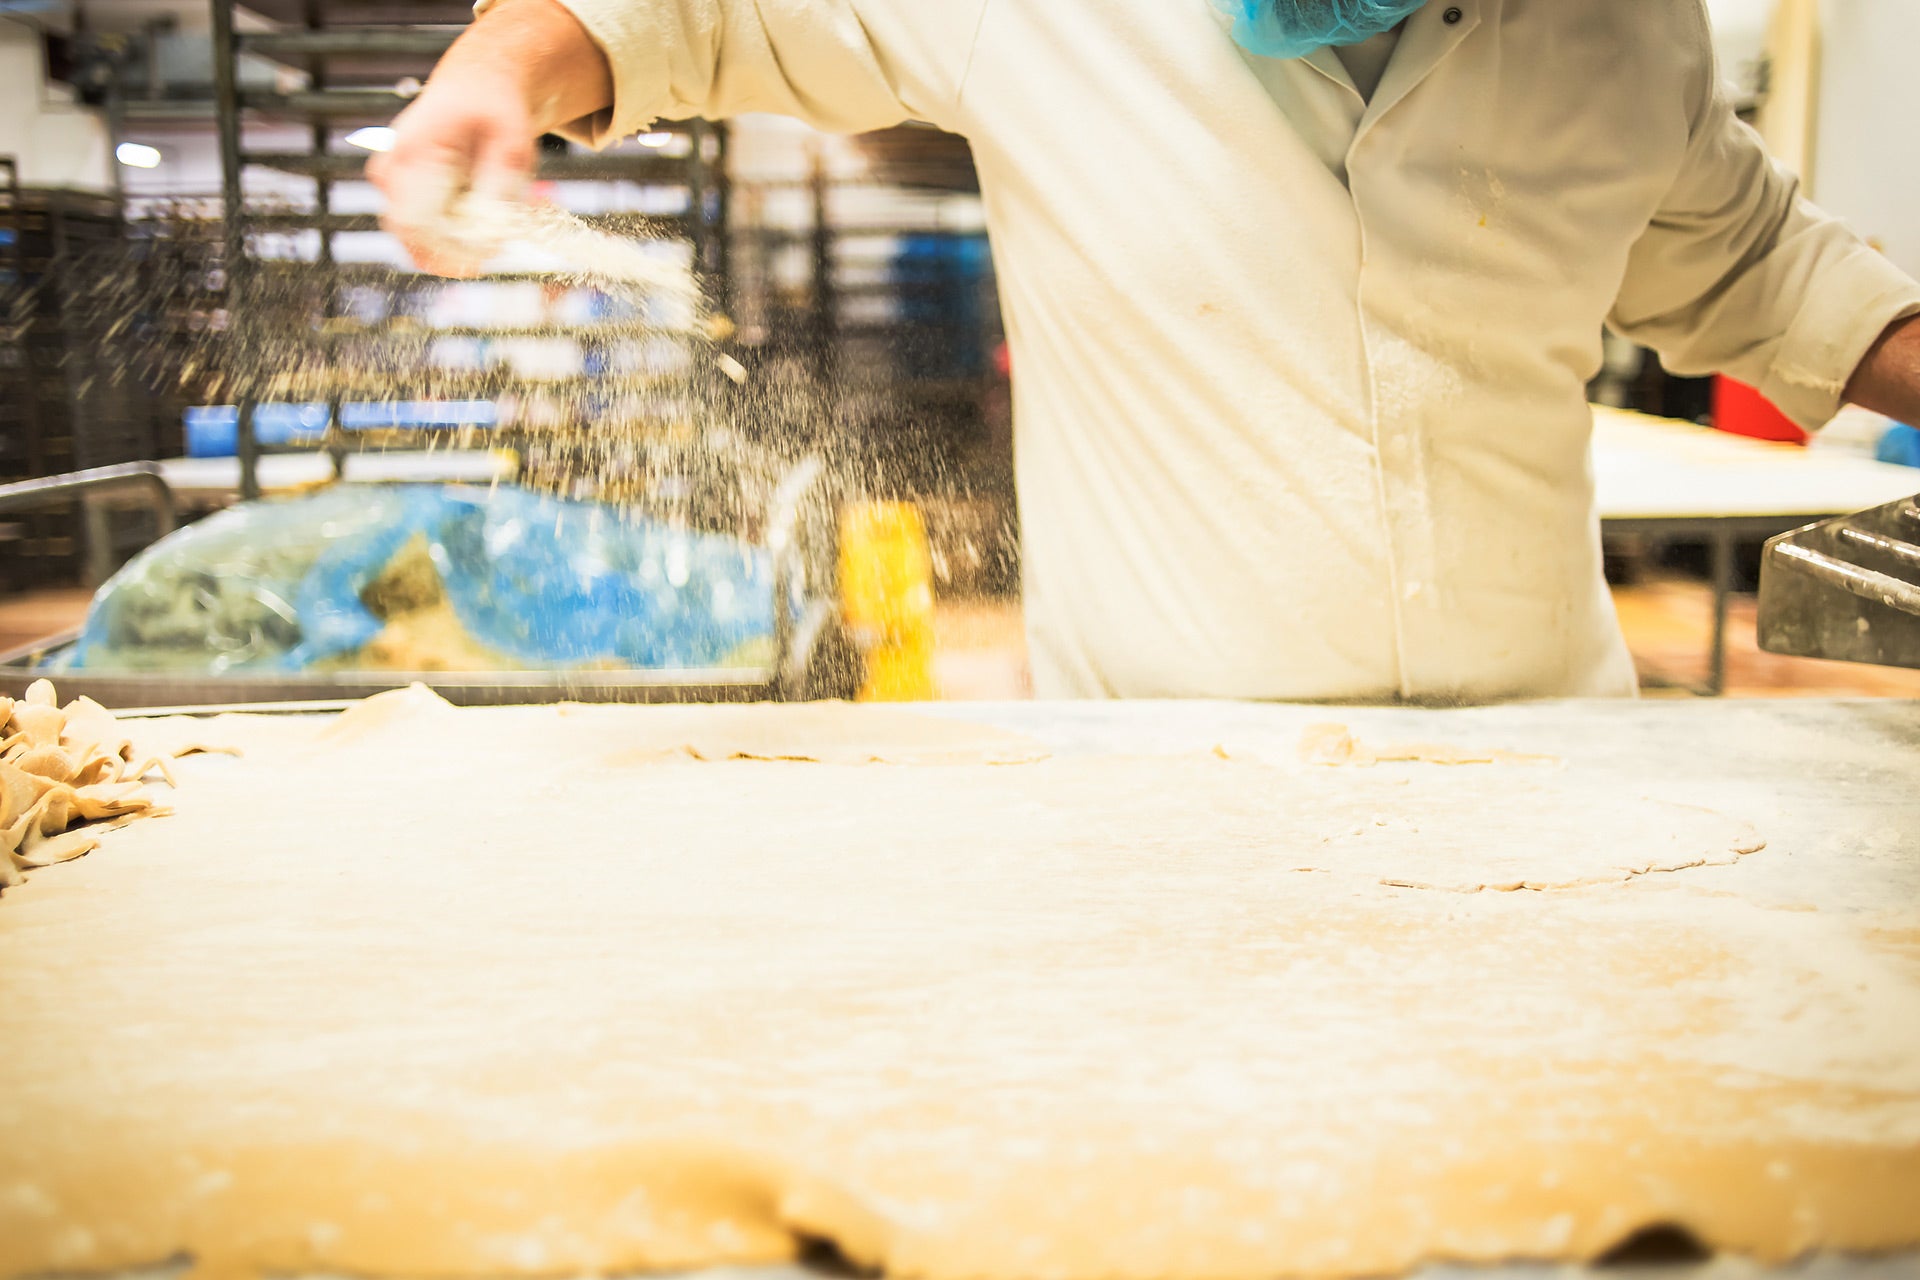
column 1661, row 478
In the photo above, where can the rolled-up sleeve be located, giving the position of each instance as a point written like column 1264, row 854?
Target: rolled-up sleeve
column 1739, row 274
column 842, row 65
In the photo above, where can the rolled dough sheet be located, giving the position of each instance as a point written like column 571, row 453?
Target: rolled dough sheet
column 527, row 1004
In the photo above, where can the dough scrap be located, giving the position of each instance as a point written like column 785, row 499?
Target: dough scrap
column 826, row 733
column 62, row 765
column 47, row 851
column 1335, row 745
column 800, row 733
column 89, row 722
column 619, row 736
column 412, row 706
column 1080, row 1019
column 39, row 724
column 52, row 762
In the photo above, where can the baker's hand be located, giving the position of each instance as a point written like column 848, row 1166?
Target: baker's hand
column 469, row 131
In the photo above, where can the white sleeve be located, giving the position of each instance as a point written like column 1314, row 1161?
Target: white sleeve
column 842, row 65
column 1739, row 274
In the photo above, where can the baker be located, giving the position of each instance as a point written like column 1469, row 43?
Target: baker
column 1304, row 296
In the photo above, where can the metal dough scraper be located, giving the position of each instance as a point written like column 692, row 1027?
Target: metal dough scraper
column 1847, row 589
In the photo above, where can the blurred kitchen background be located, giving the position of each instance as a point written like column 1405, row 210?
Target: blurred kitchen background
column 192, row 277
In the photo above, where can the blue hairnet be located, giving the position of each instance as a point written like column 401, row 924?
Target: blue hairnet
column 1294, row 28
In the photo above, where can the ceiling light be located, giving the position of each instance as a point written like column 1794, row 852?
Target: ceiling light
column 654, row 139
column 372, row 138
column 137, row 154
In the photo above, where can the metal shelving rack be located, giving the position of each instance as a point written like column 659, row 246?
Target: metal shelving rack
column 69, row 401
column 899, row 348
column 19, row 407
column 345, row 62
column 847, row 289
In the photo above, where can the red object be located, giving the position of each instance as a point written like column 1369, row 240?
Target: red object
column 1740, row 409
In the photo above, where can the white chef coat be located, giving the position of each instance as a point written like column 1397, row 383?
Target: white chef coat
column 1299, row 378
column 1366, row 60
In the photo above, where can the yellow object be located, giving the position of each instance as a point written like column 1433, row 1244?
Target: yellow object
column 1790, row 113
column 886, row 597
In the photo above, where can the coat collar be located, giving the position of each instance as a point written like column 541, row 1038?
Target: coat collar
column 1327, row 63
column 1424, row 44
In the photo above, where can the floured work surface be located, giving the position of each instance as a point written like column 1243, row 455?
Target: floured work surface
column 503, row 993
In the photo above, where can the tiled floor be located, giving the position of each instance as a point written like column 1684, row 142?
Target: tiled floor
column 981, row 651
column 37, row 615
column 1667, row 622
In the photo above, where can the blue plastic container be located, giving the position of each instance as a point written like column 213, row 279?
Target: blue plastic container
column 1901, row 444
column 942, row 279
column 213, row 431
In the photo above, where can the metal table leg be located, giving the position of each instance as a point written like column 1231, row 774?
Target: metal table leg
column 1722, row 536
column 1723, row 549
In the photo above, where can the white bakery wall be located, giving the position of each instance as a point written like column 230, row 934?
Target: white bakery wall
column 189, row 165
column 58, row 142
column 1740, row 42
column 1866, row 160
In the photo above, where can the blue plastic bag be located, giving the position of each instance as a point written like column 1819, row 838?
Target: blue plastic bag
column 219, row 595
column 545, row 583
column 1295, row 28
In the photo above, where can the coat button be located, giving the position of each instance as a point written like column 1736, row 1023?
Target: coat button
column 1452, row 16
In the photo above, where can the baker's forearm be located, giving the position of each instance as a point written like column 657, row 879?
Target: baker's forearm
column 1888, row 380
column 539, row 48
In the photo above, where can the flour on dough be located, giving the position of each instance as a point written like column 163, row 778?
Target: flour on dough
column 1334, row 744
column 637, row 736
column 559, row 1012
